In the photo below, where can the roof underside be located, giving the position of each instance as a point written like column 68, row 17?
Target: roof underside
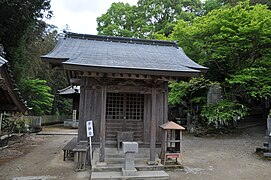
column 70, row 91
column 122, row 53
column 10, row 98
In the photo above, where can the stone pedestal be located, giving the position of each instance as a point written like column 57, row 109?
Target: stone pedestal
column 129, row 148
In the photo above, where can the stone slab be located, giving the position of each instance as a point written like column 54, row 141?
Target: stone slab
column 131, row 172
column 35, row 178
column 140, row 175
column 57, row 133
column 130, row 147
column 267, row 154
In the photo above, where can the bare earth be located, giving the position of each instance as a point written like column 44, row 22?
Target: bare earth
column 220, row 158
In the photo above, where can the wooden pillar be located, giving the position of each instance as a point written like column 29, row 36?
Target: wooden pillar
column 81, row 125
column 1, row 117
column 84, row 107
column 165, row 101
column 153, row 126
column 102, row 126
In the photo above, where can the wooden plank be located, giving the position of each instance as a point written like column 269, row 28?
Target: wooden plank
column 153, row 126
column 87, row 108
column 81, row 110
column 165, row 94
column 102, row 126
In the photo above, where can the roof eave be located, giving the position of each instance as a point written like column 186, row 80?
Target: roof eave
column 76, row 67
column 53, row 60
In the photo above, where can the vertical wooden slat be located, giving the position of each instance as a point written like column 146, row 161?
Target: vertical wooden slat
column 145, row 119
column 181, row 141
column 153, row 126
column 87, row 107
column 93, row 115
column 81, row 110
column 102, row 126
column 165, row 102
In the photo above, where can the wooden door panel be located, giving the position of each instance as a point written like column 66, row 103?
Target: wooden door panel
column 124, row 112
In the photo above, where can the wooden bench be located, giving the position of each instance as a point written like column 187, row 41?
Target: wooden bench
column 81, row 156
column 68, row 148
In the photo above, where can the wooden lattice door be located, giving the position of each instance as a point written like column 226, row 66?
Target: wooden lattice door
column 124, row 112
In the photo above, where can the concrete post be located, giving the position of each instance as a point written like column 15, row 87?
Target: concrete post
column 129, row 148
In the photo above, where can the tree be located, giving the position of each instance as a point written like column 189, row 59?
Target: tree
column 162, row 15
column 119, row 20
column 17, row 16
column 191, row 95
column 38, row 96
column 147, row 18
column 228, row 40
column 253, row 82
column 210, row 5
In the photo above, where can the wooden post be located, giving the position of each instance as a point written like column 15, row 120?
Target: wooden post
column 153, row 127
column 165, row 98
column 102, row 130
column 81, row 126
column 1, row 116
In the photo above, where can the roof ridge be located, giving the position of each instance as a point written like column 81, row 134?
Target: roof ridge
column 121, row 39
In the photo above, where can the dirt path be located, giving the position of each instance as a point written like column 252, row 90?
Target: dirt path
column 224, row 157
column 219, row 158
column 45, row 159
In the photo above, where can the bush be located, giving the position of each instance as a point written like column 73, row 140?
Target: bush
column 223, row 113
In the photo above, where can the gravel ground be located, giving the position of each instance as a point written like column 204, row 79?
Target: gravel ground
column 221, row 157
column 224, row 157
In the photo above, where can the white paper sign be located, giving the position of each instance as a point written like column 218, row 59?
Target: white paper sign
column 89, row 129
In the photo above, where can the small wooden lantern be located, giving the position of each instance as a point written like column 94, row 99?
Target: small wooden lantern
column 171, row 142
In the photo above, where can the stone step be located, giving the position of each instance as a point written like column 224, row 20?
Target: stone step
column 118, row 167
column 267, row 154
column 155, row 175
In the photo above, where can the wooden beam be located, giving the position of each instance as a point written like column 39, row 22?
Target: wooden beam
column 102, row 130
column 153, row 126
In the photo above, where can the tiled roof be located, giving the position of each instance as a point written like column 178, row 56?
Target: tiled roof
column 69, row 90
column 171, row 125
column 2, row 61
column 122, row 53
column 10, row 97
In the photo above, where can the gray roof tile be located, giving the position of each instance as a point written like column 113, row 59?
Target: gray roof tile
column 119, row 52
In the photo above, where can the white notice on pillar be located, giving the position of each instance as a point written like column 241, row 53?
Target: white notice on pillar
column 89, row 129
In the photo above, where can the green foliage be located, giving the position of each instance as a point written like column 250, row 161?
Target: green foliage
column 38, row 96
column 190, row 94
column 227, row 40
column 13, row 123
column 223, row 113
column 147, row 18
column 17, row 16
column 26, row 37
column 255, row 82
column 119, row 20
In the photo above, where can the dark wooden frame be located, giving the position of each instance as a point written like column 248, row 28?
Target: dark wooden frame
column 93, row 106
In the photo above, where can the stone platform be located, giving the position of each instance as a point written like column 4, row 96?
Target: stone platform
column 114, row 162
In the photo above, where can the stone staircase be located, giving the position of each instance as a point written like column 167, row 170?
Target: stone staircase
column 114, row 160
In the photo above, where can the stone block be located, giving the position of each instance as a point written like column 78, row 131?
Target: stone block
column 131, row 172
column 129, row 162
column 130, row 147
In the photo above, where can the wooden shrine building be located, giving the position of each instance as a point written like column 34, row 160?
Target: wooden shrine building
column 72, row 92
column 123, row 84
column 10, row 98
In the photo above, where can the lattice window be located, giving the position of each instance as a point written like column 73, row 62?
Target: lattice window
column 134, row 106
column 124, row 113
column 114, row 106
